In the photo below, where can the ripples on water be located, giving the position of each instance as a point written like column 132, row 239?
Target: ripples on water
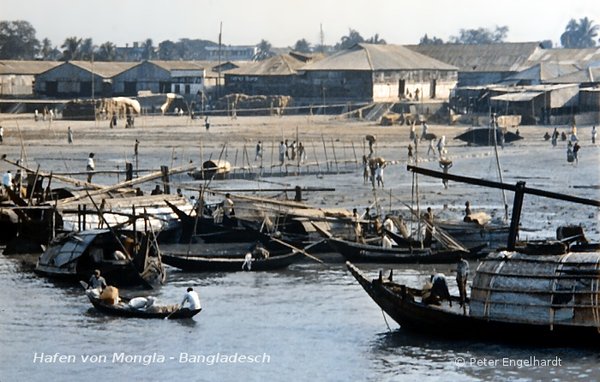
column 314, row 322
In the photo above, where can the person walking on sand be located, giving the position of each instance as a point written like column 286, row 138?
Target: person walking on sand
column 206, row 123
column 69, row 135
column 1, row 134
column 379, row 175
column 431, row 148
column 365, row 169
column 91, row 166
column 594, row 134
column 282, row 152
column 576, row 148
column 424, row 132
column 259, row 151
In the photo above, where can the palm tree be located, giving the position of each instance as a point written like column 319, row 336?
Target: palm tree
column 86, row 49
column 71, row 48
column 107, row 52
column 580, row 34
column 46, row 49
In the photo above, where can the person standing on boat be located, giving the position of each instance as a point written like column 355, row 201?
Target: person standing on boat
column 91, row 166
column 462, row 274
column 97, row 281
column 358, row 232
column 428, row 217
column 467, row 217
column 192, row 298
column 228, row 211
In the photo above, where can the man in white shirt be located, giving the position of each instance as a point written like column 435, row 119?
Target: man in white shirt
column 7, row 179
column 91, row 166
column 192, row 298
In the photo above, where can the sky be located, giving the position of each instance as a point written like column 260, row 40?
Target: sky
column 283, row 22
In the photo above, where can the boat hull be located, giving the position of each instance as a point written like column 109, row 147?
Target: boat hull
column 397, row 301
column 227, row 264
column 365, row 253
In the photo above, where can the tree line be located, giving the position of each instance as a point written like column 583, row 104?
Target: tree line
column 18, row 41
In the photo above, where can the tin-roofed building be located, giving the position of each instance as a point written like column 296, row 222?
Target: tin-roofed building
column 376, row 73
column 17, row 77
column 80, row 79
column 273, row 76
column 483, row 64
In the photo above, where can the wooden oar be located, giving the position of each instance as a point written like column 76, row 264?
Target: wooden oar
column 170, row 314
column 300, row 250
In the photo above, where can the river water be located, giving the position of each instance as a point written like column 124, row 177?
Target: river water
column 311, row 322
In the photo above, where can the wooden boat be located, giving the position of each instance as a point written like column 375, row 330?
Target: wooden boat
column 546, row 293
column 132, row 259
column 484, row 136
column 514, row 297
column 124, row 310
column 472, row 234
column 366, row 253
column 193, row 263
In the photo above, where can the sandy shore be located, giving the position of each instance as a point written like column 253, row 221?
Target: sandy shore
column 174, row 141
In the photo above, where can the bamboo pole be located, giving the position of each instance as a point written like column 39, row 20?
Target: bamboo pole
column 355, row 157
column 337, row 169
column 325, row 151
column 129, row 183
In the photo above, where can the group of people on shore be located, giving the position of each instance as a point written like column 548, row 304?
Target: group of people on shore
column 572, row 140
column 294, row 151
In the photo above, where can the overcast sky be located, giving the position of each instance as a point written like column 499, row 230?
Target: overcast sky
column 283, row 22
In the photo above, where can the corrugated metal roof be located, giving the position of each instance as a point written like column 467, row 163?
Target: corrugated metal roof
column 580, row 76
column 282, row 65
column 103, row 68
column 178, row 65
column 26, row 67
column 543, row 71
column 516, row 97
column 375, row 57
column 583, row 58
column 500, row 57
